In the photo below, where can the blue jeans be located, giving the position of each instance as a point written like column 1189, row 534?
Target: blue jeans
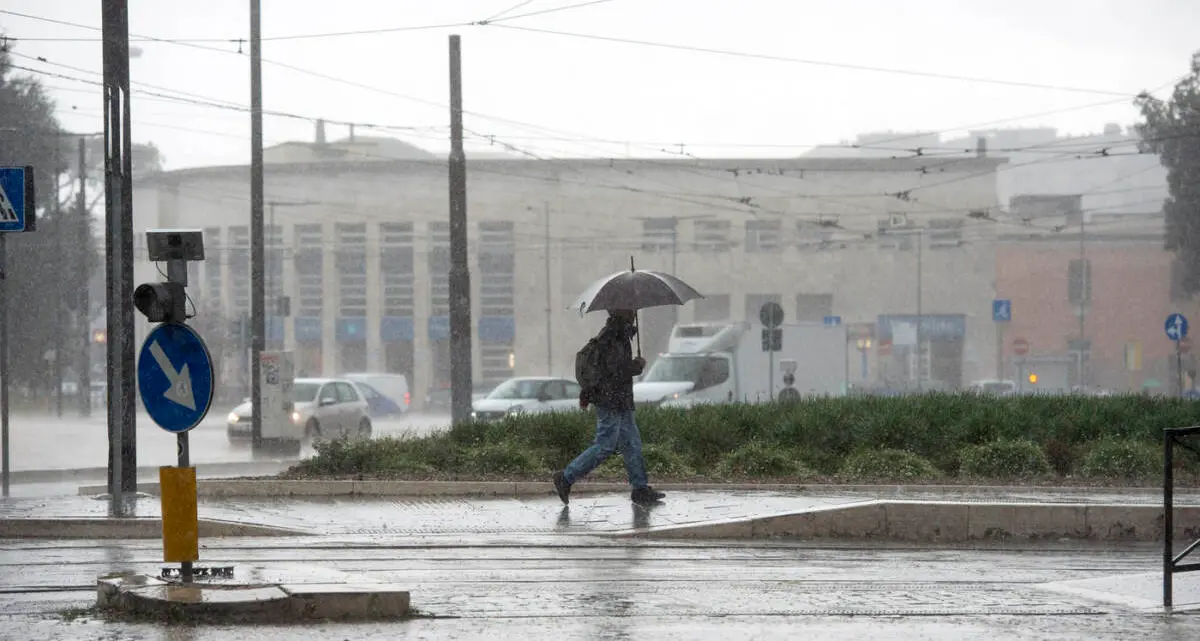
column 615, row 430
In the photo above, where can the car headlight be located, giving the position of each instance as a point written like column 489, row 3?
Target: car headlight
column 516, row 409
column 474, row 414
column 233, row 418
column 295, row 417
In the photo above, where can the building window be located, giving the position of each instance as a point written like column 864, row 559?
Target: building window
column 658, row 234
column 239, row 268
column 763, row 235
column 945, row 233
column 497, row 267
column 310, row 267
column 754, row 303
column 1079, row 281
column 396, row 268
column 439, row 268
column 712, row 235
column 810, row 235
column 212, row 266
column 711, row 308
column 352, row 269
column 273, row 243
column 813, row 308
column 497, row 361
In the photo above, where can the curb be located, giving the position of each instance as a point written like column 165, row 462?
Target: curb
column 147, row 596
column 277, row 488
column 101, row 473
column 128, row 528
column 947, row 522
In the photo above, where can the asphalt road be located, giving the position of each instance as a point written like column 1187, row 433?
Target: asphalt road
column 46, row 443
column 591, row 588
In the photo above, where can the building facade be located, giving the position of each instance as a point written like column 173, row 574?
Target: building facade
column 359, row 245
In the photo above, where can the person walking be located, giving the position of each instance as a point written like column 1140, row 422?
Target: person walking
column 605, row 369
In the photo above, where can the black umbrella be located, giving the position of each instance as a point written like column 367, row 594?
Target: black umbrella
column 633, row 290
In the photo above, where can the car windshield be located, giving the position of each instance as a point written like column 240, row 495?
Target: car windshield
column 517, row 388
column 305, row 392
column 675, row 369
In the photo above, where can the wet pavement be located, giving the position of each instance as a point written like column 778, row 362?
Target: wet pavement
column 402, row 517
column 587, row 587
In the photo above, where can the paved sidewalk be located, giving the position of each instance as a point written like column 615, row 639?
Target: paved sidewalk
column 403, row 517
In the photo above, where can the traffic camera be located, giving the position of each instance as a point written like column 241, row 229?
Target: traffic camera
column 166, row 302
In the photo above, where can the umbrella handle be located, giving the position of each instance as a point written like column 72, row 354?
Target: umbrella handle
column 635, row 315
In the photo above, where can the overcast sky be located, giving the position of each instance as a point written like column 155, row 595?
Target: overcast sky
column 554, row 94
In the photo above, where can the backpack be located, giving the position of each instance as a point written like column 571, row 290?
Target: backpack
column 588, row 365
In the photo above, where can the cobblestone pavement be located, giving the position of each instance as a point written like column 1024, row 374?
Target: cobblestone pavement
column 538, row 587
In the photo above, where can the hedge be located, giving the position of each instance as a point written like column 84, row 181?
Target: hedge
column 922, row 437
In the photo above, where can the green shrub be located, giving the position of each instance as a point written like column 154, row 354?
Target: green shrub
column 502, row 458
column 661, row 462
column 758, row 460
column 888, row 464
column 1004, row 460
column 1122, row 459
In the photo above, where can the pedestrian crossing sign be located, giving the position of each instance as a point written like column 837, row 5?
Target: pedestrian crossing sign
column 16, row 199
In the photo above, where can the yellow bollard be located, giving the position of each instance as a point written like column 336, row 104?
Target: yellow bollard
column 180, row 523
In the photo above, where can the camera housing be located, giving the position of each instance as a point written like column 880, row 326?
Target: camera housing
column 175, row 244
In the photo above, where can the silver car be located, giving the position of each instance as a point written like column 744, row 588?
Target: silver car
column 325, row 408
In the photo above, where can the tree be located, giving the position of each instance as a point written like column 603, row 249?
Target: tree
column 1171, row 129
column 41, row 281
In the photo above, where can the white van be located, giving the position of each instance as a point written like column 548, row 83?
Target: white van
column 392, row 386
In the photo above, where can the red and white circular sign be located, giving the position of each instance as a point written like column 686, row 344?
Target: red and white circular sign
column 1020, row 347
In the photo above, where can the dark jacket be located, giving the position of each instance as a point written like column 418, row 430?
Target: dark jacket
column 615, row 390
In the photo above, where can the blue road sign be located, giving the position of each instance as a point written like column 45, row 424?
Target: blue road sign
column 833, row 321
column 16, row 199
column 1002, row 310
column 175, row 377
column 1177, row 327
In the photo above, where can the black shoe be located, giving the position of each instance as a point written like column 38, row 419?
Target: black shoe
column 562, row 487
column 646, row 496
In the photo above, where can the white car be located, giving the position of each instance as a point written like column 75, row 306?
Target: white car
column 325, row 408
column 527, row 395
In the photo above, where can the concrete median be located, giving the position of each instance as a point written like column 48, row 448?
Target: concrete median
column 948, row 522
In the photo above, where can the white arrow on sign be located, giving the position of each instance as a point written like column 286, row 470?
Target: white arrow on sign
column 181, row 382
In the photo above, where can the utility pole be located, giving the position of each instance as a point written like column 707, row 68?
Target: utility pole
column 118, row 209
column 85, row 295
column 920, row 313
column 549, row 304
column 60, row 261
column 461, row 365
column 1084, row 297
column 257, row 289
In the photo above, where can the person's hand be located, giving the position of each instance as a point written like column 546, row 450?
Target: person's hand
column 639, row 363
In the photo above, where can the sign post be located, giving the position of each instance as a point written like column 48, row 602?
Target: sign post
column 1020, row 347
column 17, row 214
column 1001, row 314
column 175, row 376
column 771, row 315
column 1176, row 328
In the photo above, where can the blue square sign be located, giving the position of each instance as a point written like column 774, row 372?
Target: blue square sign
column 1002, row 310
column 16, row 199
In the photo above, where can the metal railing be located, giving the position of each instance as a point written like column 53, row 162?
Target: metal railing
column 1173, row 563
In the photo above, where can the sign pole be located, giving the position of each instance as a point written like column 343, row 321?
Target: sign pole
column 4, row 378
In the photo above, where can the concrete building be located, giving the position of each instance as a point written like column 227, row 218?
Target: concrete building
column 358, row 239
column 1119, row 279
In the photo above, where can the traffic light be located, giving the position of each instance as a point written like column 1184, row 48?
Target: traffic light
column 161, row 302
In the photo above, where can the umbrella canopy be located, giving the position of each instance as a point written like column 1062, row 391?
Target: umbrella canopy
column 634, row 290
